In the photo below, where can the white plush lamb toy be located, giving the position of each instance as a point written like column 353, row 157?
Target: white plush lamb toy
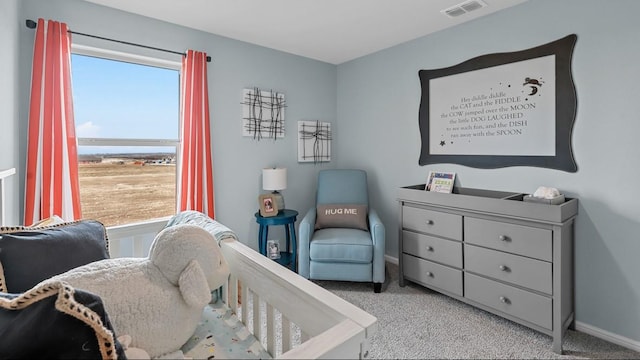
column 158, row 300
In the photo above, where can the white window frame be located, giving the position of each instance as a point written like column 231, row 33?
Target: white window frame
column 151, row 225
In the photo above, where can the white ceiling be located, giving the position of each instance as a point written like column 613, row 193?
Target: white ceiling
column 333, row 31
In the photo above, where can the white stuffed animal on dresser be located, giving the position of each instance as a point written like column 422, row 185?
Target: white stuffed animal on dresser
column 546, row 192
column 157, row 300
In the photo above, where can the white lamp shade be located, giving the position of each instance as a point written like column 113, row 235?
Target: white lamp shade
column 274, row 179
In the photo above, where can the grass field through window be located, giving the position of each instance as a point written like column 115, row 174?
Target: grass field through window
column 117, row 193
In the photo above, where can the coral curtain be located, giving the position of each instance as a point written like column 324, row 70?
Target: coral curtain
column 195, row 179
column 51, row 184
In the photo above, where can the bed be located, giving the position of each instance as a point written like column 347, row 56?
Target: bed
column 268, row 311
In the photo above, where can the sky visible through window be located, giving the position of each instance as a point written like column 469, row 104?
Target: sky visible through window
column 115, row 99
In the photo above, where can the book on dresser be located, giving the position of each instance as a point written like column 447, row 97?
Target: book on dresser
column 493, row 251
column 439, row 181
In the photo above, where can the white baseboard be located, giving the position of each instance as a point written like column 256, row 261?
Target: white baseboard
column 608, row 336
column 391, row 259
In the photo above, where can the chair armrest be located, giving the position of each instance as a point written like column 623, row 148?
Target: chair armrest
column 377, row 229
column 305, row 233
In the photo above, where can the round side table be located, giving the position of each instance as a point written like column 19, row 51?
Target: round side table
column 284, row 217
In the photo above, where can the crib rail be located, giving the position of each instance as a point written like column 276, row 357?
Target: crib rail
column 133, row 240
column 293, row 317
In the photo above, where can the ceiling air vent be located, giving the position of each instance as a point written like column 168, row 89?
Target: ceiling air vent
column 464, row 8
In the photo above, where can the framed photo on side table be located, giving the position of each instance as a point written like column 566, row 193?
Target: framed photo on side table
column 440, row 181
column 268, row 205
column 273, row 249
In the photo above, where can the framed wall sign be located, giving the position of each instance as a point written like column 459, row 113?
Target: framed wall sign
column 503, row 109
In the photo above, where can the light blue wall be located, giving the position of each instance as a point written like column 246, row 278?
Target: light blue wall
column 378, row 100
column 9, row 29
column 309, row 87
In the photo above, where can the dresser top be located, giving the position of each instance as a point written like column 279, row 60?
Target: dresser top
column 502, row 203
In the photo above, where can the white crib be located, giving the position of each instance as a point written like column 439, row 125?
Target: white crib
column 291, row 316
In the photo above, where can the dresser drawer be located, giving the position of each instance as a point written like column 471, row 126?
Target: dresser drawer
column 431, row 274
column 515, row 269
column 432, row 222
column 437, row 249
column 522, row 304
column 516, row 239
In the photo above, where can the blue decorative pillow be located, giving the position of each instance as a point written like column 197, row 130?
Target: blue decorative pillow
column 29, row 255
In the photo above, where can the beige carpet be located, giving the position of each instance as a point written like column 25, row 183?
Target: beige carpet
column 417, row 323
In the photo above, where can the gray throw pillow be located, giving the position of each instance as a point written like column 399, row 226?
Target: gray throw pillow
column 29, row 255
column 341, row 216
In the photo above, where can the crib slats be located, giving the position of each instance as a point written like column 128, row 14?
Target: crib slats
column 233, row 293
column 225, row 292
column 257, row 329
column 271, row 330
column 286, row 334
column 243, row 305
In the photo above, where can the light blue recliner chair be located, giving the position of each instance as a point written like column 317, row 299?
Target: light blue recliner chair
column 341, row 253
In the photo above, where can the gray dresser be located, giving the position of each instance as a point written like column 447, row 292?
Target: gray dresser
column 494, row 251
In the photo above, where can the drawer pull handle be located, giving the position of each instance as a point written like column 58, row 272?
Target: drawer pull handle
column 429, row 222
column 429, row 274
column 504, row 268
column 505, row 300
column 504, row 238
column 429, row 248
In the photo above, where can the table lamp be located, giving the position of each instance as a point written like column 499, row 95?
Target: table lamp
column 275, row 179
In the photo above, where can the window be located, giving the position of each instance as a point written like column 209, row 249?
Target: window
column 127, row 124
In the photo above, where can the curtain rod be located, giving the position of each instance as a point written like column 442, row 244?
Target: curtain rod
column 32, row 25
